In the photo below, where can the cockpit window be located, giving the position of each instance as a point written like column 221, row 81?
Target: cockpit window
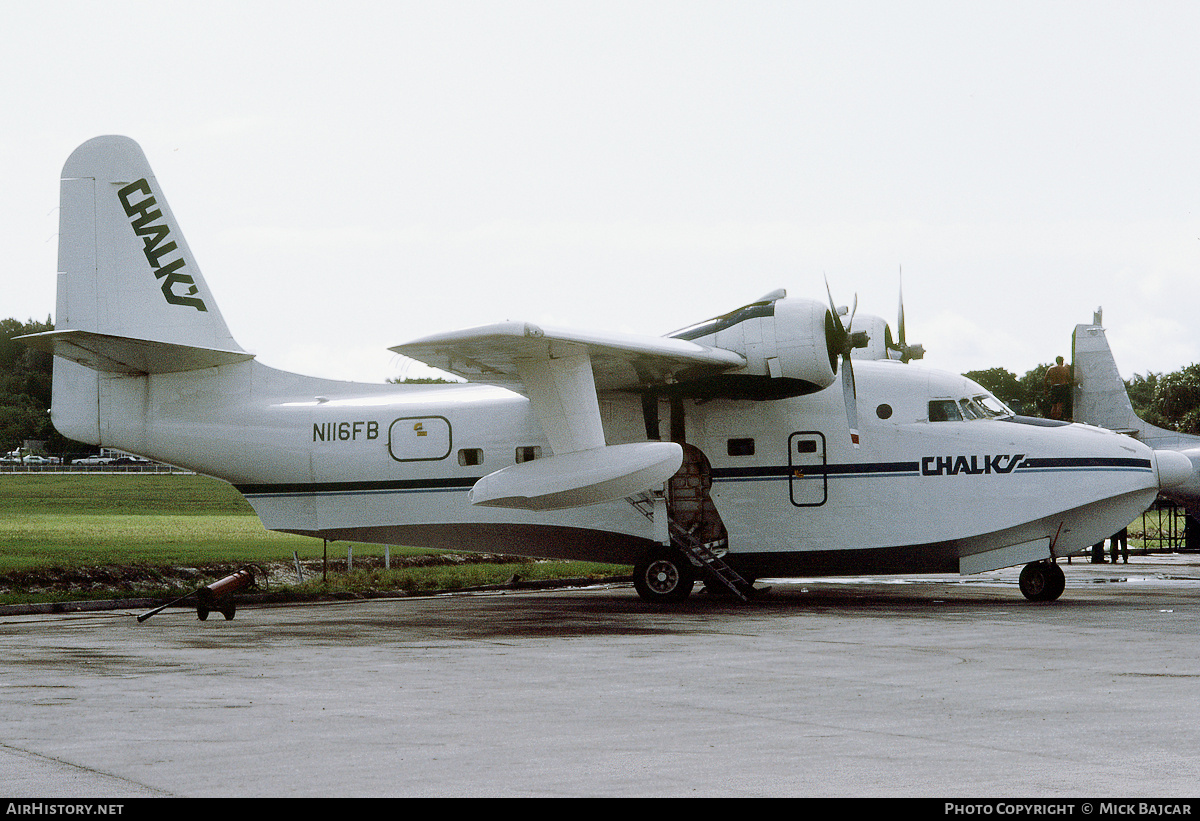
column 992, row 406
column 983, row 406
column 944, row 410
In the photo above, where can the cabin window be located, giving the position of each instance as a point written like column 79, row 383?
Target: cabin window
column 944, row 410
column 470, row 456
column 806, row 446
column 527, row 453
column 884, row 411
column 740, row 447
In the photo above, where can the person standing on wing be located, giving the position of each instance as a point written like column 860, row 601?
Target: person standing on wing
column 1058, row 379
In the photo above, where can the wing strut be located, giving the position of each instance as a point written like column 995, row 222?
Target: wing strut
column 584, row 470
column 562, row 393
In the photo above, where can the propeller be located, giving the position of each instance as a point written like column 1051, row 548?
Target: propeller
column 907, row 352
column 841, row 341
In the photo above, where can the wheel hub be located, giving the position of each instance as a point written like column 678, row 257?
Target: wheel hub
column 662, row 576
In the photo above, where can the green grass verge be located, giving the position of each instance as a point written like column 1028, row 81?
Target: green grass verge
column 118, row 519
column 53, row 522
column 127, row 494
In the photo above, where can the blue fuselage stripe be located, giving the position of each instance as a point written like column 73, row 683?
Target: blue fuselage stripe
column 740, row 474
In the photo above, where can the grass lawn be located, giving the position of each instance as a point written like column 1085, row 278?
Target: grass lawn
column 94, row 519
column 60, row 521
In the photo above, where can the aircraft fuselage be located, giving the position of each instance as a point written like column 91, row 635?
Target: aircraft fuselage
column 394, row 464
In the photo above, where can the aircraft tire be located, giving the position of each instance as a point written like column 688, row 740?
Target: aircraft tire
column 1042, row 581
column 1058, row 582
column 664, row 577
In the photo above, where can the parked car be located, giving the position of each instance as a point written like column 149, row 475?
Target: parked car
column 93, row 460
column 131, row 460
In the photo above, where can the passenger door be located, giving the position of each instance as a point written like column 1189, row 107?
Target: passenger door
column 809, row 481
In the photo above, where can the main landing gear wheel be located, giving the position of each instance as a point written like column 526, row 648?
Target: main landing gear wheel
column 666, row 576
column 1042, row 581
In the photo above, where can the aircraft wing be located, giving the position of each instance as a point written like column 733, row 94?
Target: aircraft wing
column 498, row 354
column 561, row 373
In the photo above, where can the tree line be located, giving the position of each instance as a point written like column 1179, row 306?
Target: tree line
column 1169, row 401
column 25, row 389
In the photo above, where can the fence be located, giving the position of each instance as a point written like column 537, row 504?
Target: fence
column 1164, row 529
column 151, row 468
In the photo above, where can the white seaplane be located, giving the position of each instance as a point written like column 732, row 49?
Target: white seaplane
column 724, row 452
column 1100, row 398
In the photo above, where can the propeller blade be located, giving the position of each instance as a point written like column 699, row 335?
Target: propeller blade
column 836, row 337
column 907, row 352
column 843, row 343
column 833, row 308
column 851, row 396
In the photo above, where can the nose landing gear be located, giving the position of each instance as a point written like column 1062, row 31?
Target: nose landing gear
column 1042, row 581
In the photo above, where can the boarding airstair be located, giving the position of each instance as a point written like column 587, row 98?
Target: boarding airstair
column 702, row 555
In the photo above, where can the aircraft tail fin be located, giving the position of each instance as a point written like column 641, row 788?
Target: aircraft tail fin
column 131, row 298
column 125, row 269
column 1100, row 397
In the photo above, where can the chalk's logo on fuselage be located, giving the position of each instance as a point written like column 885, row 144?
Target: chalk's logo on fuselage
column 970, row 465
column 156, row 237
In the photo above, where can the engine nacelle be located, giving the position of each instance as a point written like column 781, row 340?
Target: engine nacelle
column 879, row 337
column 881, row 344
column 789, row 346
column 804, row 343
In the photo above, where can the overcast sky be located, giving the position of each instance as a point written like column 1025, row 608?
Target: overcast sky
column 352, row 175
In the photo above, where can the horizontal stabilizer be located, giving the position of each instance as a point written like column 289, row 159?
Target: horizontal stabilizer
column 581, row 478
column 123, row 355
column 493, row 354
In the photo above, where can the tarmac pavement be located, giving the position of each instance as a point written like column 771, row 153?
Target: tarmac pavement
column 916, row 686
